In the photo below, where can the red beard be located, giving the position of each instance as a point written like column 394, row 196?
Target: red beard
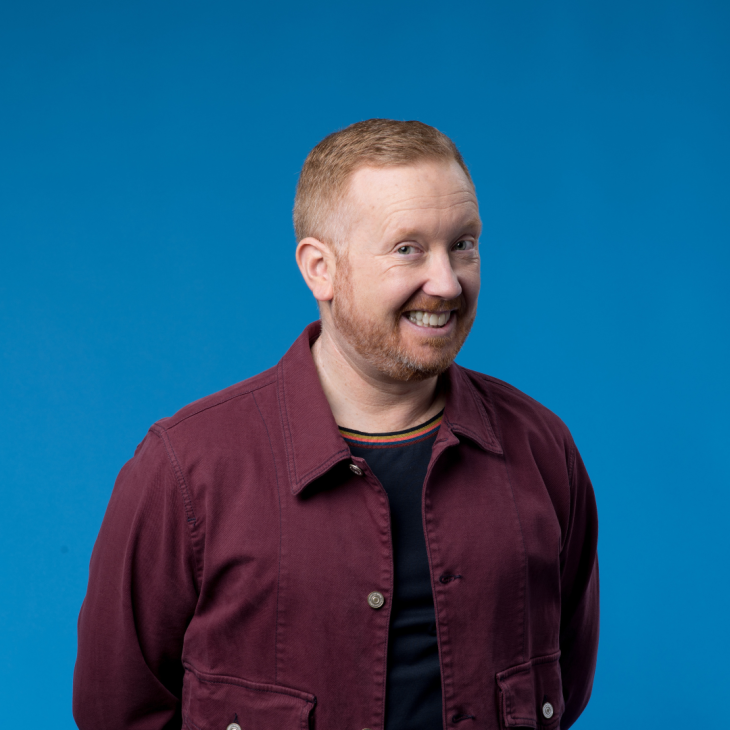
column 380, row 342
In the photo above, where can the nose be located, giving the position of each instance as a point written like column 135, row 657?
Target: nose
column 441, row 281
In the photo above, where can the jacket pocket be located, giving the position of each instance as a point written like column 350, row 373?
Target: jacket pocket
column 214, row 701
column 531, row 694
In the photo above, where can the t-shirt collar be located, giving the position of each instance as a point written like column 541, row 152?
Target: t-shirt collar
column 313, row 440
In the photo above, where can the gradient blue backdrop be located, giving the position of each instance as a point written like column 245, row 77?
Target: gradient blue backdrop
column 148, row 158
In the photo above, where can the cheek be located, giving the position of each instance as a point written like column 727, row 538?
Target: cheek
column 403, row 286
column 470, row 284
column 387, row 296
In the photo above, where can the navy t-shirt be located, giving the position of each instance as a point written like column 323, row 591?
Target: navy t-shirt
column 413, row 682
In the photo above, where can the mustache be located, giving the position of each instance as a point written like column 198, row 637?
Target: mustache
column 421, row 303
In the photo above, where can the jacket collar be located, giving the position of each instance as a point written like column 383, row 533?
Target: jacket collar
column 465, row 412
column 313, row 441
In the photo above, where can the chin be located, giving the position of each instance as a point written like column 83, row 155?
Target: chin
column 406, row 365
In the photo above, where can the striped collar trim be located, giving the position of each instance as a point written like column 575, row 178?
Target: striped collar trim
column 396, row 438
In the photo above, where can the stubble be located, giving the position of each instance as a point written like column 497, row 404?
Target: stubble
column 380, row 342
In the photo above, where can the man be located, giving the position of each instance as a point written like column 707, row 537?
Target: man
column 367, row 535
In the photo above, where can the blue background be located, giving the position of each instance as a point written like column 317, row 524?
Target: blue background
column 148, row 158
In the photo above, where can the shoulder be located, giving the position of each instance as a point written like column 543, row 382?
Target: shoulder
column 512, row 402
column 220, row 425
column 215, row 445
column 219, row 408
column 518, row 418
column 537, row 445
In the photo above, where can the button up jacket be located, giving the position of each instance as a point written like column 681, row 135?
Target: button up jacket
column 231, row 577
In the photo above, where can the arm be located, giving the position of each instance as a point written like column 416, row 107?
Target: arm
column 579, row 590
column 140, row 599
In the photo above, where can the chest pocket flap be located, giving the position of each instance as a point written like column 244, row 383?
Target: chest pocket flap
column 214, row 701
column 531, row 694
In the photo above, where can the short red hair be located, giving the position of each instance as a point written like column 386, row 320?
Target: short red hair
column 374, row 143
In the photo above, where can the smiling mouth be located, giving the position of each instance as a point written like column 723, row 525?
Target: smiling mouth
column 428, row 319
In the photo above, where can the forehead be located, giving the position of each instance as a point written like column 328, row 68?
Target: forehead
column 397, row 196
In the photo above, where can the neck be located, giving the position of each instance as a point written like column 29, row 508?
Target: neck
column 368, row 401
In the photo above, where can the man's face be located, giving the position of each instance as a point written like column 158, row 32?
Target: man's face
column 407, row 277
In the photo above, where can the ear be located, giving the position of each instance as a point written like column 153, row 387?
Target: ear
column 316, row 261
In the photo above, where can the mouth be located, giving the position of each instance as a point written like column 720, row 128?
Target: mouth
column 429, row 320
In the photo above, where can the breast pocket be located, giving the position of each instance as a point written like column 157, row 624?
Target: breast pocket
column 216, row 701
column 531, row 694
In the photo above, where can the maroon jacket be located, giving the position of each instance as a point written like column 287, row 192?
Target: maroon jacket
column 231, row 575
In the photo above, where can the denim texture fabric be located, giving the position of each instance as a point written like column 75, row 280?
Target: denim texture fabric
column 230, row 578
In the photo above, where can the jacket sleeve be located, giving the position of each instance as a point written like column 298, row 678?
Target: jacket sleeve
column 140, row 599
column 579, row 590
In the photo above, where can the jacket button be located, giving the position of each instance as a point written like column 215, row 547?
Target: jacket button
column 376, row 600
column 234, row 726
column 355, row 469
column 547, row 710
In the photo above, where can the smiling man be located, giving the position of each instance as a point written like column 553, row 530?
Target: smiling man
column 397, row 282
column 366, row 535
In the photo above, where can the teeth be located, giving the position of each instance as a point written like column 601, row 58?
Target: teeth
column 426, row 319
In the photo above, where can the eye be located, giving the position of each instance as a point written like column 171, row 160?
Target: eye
column 464, row 245
column 405, row 250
